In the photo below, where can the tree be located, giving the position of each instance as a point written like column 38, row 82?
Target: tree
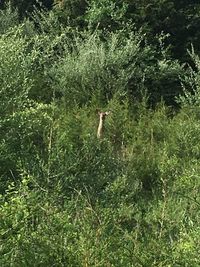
column 178, row 18
column 71, row 12
column 26, row 7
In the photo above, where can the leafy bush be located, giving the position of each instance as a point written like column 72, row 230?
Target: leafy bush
column 8, row 19
column 191, row 84
column 71, row 199
column 96, row 70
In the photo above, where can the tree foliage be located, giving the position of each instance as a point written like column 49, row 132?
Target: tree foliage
column 68, row 198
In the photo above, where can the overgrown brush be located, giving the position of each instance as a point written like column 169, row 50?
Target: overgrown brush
column 70, row 199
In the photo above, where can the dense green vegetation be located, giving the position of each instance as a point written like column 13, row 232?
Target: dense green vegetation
column 132, row 197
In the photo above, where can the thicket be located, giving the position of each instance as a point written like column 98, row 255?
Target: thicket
column 67, row 198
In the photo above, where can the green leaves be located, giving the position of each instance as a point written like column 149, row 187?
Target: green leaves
column 191, row 84
column 105, row 14
column 15, row 71
column 8, row 19
column 68, row 198
column 121, row 65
